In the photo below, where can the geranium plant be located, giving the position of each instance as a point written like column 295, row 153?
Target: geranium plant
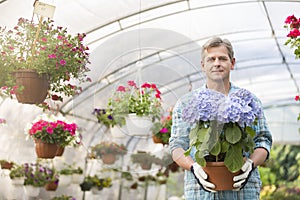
column 221, row 126
column 105, row 117
column 144, row 100
column 46, row 49
column 162, row 129
column 54, row 130
column 293, row 24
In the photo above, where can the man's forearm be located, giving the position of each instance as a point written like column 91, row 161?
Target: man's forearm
column 183, row 161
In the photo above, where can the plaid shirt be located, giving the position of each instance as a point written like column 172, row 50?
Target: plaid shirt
column 180, row 139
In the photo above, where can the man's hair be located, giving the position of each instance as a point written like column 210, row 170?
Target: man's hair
column 216, row 42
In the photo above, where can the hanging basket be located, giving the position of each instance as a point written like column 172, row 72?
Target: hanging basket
column 45, row 150
column 138, row 125
column 51, row 186
column 219, row 175
column 35, row 86
column 60, row 150
column 108, row 158
column 32, row 191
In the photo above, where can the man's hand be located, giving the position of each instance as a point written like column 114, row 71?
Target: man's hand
column 241, row 180
column 201, row 177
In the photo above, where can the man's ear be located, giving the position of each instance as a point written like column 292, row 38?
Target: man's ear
column 202, row 66
column 232, row 64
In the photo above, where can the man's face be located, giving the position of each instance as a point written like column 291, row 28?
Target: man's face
column 217, row 64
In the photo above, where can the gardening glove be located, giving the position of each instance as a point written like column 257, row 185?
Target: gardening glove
column 201, row 177
column 241, row 179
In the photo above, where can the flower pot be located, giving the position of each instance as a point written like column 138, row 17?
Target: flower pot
column 219, row 175
column 51, row 186
column 138, row 125
column 65, row 180
column 7, row 165
column 157, row 140
column 18, row 181
column 146, row 166
column 60, row 150
column 77, row 178
column 117, row 132
column 35, row 86
column 45, row 150
column 32, row 191
column 86, row 186
column 108, row 158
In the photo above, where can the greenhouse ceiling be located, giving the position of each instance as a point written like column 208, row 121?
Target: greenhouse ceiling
column 159, row 41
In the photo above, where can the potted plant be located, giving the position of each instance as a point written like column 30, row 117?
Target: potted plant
column 221, row 128
column 63, row 197
column 145, row 159
column 140, row 105
column 162, row 129
column 51, row 132
column 292, row 24
column 108, row 151
column 114, row 123
column 48, row 51
column 37, row 176
column 17, row 174
column 100, row 183
column 87, row 183
column 77, row 176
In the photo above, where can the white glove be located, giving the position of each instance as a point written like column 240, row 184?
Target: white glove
column 201, row 177
column 241, row 180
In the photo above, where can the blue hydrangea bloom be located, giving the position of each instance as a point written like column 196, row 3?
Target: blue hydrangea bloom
column 240, row 107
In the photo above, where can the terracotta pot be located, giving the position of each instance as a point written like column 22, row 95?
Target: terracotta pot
column 146, row 166
column 51, row 186
column 108, row 158
column 60, row 150
column 157, row 140
column 45, row 150
column 7, row 165
column 219, row 175
column 35, row 86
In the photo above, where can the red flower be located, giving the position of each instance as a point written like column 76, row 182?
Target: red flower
column 297, row 98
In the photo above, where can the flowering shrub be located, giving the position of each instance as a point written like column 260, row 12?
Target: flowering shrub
column 45, row 49
column 54, row 131
column 293, row 25
column 38, row 175
column 109, row 147
column 162, row 128
column 144, row 100
column 106, row 118
column 222, row 125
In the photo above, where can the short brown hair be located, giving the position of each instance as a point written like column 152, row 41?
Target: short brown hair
column 216, row 42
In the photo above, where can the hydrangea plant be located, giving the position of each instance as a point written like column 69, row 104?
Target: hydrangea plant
column 222, row 126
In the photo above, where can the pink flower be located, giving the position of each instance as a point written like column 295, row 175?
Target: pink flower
column 164, row 130
column 51, row 56
column 121, row 89
column 294, row 33
column 62, row 62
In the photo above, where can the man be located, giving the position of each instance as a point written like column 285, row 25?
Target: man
column 217, row 60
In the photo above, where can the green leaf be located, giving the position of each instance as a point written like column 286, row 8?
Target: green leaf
column 200, row 159
column 233, row 134
column 224, row 146
column 234, row 158
column 187, row 152
column 216, row 149
column 250, row 131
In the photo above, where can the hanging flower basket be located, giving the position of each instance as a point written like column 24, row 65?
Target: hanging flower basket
column 138, row 125
column 45, row 150
column 108, row 158
column 33, row 88
column 60, row 150
column 51, row 186
column 32, row 191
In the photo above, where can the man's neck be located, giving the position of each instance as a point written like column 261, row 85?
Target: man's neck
column 219, row 87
